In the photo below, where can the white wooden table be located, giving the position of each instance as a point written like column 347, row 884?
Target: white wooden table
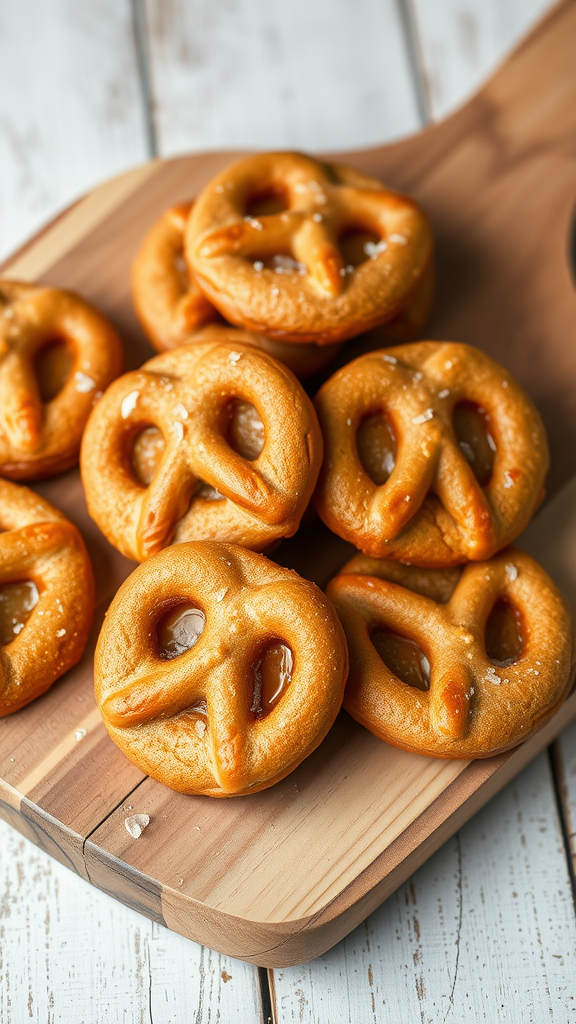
column 486, row 930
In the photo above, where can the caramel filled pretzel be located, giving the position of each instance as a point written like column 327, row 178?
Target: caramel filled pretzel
column 57, row 354
column 173, row 311
column 46, row 596
column 169, row 303
column 427, row 506
column 322, row 295
column 202, row 488
column 487, row 652
column 194, row 713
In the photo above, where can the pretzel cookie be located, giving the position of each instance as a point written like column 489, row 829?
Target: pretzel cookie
column 57, row 354
column 169, row 303
column 173, row 311
column 230, row 672
column 46, row 596
column 207, row 442
column 434, row 455
column 454, row 663
column 294, row 272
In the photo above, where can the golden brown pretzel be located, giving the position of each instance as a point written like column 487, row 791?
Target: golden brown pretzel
column 169, row 303
column 188, row 394
column 320, row 296
column 478, row 702
column 431, row 510
column 204, row 721
column 174, row 311
column 46, row 596
column 40, row 437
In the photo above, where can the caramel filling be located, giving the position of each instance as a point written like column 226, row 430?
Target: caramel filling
column 53, row 365
column 179, row 630
column 404, row 658
column 472, row 429
column 146, row 454
column 245, row 430
column 358, row 245
column 503, row 634
column 17, row 601
column 272, row 674
column 376, row 447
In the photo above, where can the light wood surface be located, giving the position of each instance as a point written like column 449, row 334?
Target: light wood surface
column 27, row 177
column 354, row 839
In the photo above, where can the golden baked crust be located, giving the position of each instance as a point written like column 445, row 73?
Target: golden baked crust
column 169, row 303
column 39, row 439
column 475, row 707
column 150, row 705
column 321, row 298
column 431, row 511
column 186, row 394
column 174, row 311
column 38, row 544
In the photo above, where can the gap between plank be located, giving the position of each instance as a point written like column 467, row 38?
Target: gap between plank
column 265, row 995
column 556, row 770
column 140, row 29
column 409, row 25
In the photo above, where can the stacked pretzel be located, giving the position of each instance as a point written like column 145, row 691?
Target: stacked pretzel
column 217, row 671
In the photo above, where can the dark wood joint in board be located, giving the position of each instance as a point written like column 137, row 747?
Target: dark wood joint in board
column 126, row 884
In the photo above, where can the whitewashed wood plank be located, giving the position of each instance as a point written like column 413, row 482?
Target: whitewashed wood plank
column 69, row 954
column 70, row 106
column 462, row 41
column 565, row 764
column 272, row 74
column 485, row 931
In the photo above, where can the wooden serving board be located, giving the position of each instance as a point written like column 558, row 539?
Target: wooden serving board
column 279, row 877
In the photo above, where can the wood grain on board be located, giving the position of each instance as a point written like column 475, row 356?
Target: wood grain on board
column 474, row 174
column 487, row 917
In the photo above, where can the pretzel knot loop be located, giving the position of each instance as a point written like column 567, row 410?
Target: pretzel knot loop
column 46, row 596
column 187, row 396
column 431, row 510
column 284, row 273
column 40, row 434
column 477, row 699
column 190, row 721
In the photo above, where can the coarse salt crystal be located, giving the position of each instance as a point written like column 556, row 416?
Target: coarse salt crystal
column 449, row 364
column 508, row 481
column 317, row 217
column 444, row 393
column 492, row 677
column 221, row 594
column 389, row 359
column 79, row 735
column 60, row 632
column 373, row 249
column 258, row 265
column 511, row 572
column 129, row 404
column 83, row 383
column 136, row 824
column 423, row 417
column 398, row 239
column 178, row 431
column 275, row 291
column 180, row 410
column 199, row 727
column 235, row 357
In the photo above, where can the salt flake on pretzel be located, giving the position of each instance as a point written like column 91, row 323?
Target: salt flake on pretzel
column 57, row 355
column 454, row 663
column 433, row 454
column 236, row 450
column 285, row 272
column 232, row 671
column 46, row 596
